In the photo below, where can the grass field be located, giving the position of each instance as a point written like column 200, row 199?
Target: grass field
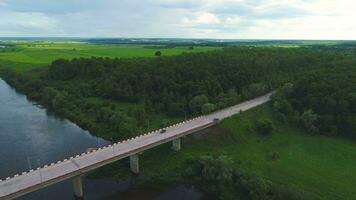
column 319, row 165
column 29, row 55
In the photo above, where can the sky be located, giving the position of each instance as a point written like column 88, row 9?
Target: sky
column 223, row 19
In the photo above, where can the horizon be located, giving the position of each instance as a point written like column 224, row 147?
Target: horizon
column 163, row 38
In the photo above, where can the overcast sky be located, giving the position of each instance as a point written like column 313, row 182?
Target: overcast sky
column 234, row 19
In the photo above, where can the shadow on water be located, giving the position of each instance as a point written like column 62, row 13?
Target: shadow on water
column 31, row 137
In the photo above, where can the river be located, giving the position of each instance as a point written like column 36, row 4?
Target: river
column 30, row 137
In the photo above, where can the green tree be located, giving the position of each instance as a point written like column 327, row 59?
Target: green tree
column 176, row 109
column 208, row 108
column 139, row 113
column 309, row 118
column 197, row 103
column 49, row 93
column 158, row 53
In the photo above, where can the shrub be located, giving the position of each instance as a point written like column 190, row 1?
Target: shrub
column 208, row 108
column 273, row 156
column 264, row 127
column 308, row 119
column 158, row 53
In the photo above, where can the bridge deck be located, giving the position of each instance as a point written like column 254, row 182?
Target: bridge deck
column 26, row 182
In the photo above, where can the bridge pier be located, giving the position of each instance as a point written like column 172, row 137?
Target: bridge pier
column 134, row 164
column 78, row 188
column 176, row 144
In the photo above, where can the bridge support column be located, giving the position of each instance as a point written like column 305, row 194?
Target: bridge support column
column 134, row 164
column 78, row 188
column 176, row 144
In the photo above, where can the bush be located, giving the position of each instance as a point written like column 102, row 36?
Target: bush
column 273, row 156
column 264, row 127
column 158, row 53
column 208, row 108
column 197, row 103
column 309, row 119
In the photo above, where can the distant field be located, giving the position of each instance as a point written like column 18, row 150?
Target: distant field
column 29, row 55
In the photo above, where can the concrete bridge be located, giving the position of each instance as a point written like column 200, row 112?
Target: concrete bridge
column 76, row 166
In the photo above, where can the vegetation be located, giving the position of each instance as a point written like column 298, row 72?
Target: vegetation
column 261, row 154
column 323, row 101
column 289, row 160
column 264, row 127
column 91, row 92
column 225, row 182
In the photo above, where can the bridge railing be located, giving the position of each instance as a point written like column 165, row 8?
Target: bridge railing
column 98, row 149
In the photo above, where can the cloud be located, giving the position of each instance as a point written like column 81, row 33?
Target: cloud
column 51, row 6
column 265, row 19
column 21, row 22
column 202, row 18
column 178, row 4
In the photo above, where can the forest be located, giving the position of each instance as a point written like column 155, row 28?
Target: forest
column 322, row 101
column 114, row 98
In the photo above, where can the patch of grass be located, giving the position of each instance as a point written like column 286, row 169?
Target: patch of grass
column 321, row 165
column 317, row 164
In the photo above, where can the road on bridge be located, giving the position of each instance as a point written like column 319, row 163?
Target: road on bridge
column 32, row 180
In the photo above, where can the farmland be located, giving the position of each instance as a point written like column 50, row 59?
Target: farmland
column 25, row 55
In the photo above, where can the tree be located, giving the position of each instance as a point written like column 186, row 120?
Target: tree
column 231, row 97
column 158, row 53
column 197, row 102
column 176, row 109
column 139, row 113
column 49, row 94
column 309, row 119
column 208, row 108
column 256, row 89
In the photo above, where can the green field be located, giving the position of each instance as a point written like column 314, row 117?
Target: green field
column 324, row 166
column 316, row 164
column 29, row 55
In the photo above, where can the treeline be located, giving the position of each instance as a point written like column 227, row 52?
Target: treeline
column 323, row 101
column 90, row 92
column 184, row 83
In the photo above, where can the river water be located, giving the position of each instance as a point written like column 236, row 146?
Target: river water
column 30, row 137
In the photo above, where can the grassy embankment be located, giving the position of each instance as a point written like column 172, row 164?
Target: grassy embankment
column 30, row 55
column 316, row 164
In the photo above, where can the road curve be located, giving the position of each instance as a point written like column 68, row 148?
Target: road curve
column 33, row 180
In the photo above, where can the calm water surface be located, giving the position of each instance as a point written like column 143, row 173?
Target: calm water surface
column 29, row 137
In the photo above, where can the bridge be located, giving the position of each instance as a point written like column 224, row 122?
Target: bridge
column 76, row 166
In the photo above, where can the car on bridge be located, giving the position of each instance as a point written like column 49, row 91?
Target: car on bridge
column 163, row 131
